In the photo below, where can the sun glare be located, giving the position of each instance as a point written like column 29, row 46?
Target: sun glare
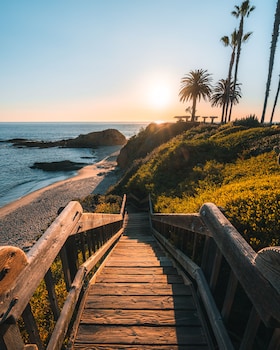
column 159, row 95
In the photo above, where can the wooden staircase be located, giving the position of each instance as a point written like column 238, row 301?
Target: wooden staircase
column 138, row 300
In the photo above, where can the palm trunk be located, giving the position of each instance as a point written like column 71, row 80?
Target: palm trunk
column 223, row 114
column 228, row 83
column 240, row 35
column 271, row 58
column 193, row 108
column 275, row 101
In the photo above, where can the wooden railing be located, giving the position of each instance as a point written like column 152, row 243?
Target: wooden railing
column 238, row 288
column 75, row 244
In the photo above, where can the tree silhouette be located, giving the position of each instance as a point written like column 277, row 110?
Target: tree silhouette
column 195, row 85
column 241, row 12
column 223, row 93
column 275, row 34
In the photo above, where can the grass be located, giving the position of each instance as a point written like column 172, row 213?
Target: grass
column 232, row 166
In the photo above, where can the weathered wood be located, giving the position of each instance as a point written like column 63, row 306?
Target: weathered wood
column 215, row 270
column 241, row 258
column 139, row 302
column 250, row 331
column 139, row 289
column 268, row 262
column 65, row 267
column 139, row 270
column 41, row 256
column 208, row 301
column 140, row 335
column 140, row 317
column 125, row 306
column 31, row 327
column 229, row 297
column 188, row 222
column 62, row 324
column 140, row 279
column 91, row 262
column 11, row 337
column 52, row 295
column 61, row 327
column 90, row 221
column 12, row 261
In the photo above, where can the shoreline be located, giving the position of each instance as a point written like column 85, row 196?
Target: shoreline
column 25, row 219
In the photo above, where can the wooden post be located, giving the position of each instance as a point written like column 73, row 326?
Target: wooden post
column 52, row 295
column 11, row 337
column 229, row 297
column 12, row 261
column 31, row 327
column 268, row 262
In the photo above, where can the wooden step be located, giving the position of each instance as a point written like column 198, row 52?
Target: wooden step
column 139, row 301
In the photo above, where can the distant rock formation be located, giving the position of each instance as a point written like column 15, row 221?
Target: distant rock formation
column 148, row 139
column 108, row 137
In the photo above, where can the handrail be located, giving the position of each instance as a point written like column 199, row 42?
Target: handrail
column 71, row 227
column 241, row 257
column 210, row 239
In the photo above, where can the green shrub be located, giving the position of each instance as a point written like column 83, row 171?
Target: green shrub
column 102, row 203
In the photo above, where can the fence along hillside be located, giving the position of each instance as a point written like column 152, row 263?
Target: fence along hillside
column 237, row 289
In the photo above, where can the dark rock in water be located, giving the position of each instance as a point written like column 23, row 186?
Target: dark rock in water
column 109, row 137
column 65, row 165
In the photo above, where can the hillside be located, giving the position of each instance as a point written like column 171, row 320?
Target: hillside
column 232, row 165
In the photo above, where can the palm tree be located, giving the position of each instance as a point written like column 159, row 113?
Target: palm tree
column 195, row 85
column 271, row 58
column 241, row 12
column 223, row 93
column 233, row 43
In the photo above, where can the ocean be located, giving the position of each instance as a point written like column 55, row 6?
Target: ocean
column 18, row 179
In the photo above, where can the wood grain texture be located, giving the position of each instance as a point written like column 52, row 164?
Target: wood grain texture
column 139, row 301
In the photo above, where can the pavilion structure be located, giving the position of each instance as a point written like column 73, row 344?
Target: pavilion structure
column 187, row 118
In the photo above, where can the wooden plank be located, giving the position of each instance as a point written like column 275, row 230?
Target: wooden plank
column 140, row 302
column 140, row 270
column 89, row 221
column 140, row 335
column 141, row 317
column 139, row 278
column 141, row 263
column 139, row 254
column 139, row 289
column 138, row 347
column 188, row 222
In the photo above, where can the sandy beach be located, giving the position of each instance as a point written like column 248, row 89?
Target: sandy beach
column 24, row 220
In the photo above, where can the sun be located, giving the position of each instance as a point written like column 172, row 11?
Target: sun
column 159, row 95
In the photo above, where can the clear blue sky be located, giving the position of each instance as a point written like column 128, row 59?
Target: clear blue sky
column 122, row 60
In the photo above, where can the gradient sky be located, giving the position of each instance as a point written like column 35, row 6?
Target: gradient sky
column 122, row 60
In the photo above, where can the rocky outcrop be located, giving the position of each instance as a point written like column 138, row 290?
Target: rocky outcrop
column 147, row 140
column 108, row 137
column 64, row 165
